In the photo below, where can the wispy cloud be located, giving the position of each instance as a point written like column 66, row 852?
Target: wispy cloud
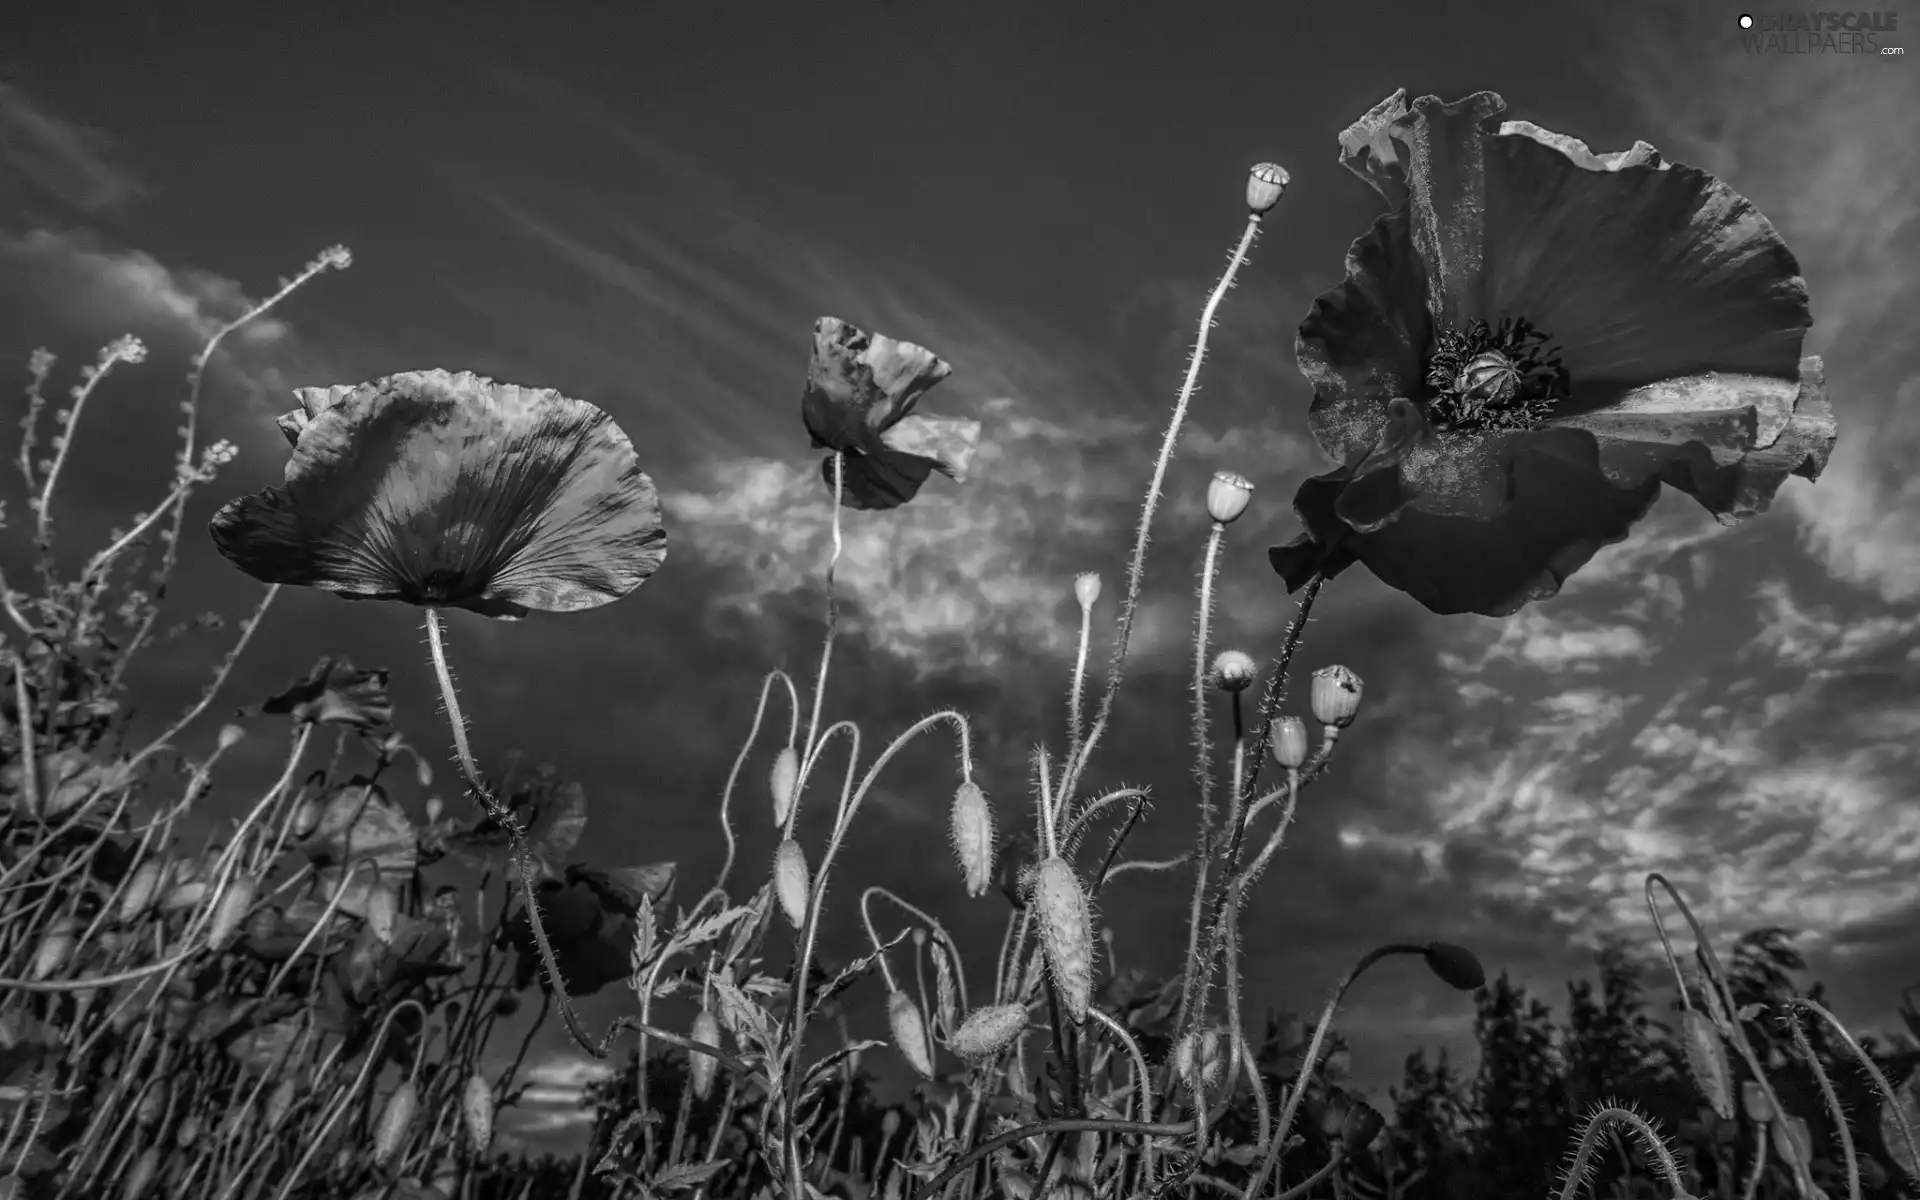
column 46, row 156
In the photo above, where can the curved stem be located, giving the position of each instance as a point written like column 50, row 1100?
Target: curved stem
column 1203, row 780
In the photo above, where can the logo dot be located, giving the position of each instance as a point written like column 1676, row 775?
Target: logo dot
column 1746, row 21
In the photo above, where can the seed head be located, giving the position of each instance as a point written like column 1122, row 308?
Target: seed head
column 476, row 1111
column 391, row 1129
column 1227, row 496
column 705, row 1029
column 972, row 822
column 785, row 777
column 1234, row 670
column 1266, row 183
column 910, row 1033
column 790, row 883
column 1336, row 696
column 1086, row 589
column 1066, row 933
column 987, row 1031
column 1289, row 741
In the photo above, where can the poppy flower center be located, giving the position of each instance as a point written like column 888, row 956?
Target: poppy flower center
column 442, row 586
column 1501, row 376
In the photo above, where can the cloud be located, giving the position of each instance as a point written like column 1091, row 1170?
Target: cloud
column 47, row 156
column 554, row 1101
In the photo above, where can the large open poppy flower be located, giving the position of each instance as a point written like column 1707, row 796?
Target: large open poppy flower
column 1528, row 345
column 861, row 391
column 453, row 491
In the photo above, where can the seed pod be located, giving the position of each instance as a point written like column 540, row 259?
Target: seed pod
column 1227, row 496
column 1234, row 670
column 141, row 1176
column 141, row 889
column 1066, row 934
column 1335, row 696
column 790, row 884
column 187, row 1132
column 1707, row 1062
column 910, row 1033
column 783, row 780
column 56, row 948
column 1266, row 183
column 476, row 1112
column 1289, row 742
column 987, row 1031
column 972, row 831
column 391, row 1129
column 382, row 911
column 705, row 1029
column 228, row 911
column 279, row 1104
column 1086, row 588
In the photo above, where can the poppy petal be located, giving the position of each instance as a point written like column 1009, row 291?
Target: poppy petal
column 911, row 451
column 859, row 384
column 1368, row 150
column 313, row 402
column 455, row 491
column 1364, row 340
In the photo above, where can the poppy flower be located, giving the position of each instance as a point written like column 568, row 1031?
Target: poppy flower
column 453, row 491
column 1527, row 345
column 861, row 390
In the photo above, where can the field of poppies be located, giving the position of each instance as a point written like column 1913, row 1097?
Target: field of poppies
column 1531, row 340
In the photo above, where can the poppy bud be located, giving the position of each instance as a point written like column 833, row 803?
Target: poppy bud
column 1234, row 671
column 228, row 911
column 1706, row 1057
column 1336, row 696
column 1753, row 1101
column 1360, row 1126
column 785, row 777
column 1456, row 966
column 1289, row 741
column 1266, row 183
column 305, row 818
column 987, row 1031
column 1066, row 934
column 382, row 911
column 790, row 882
column 910, row 1033
column 230, row 736
column 476, row 1111
column 1086, row 588
column 435, row 806
column 706, row 1030
column 972, row 822
column 395, row 1119
column 145, row 885
column 1227, row 496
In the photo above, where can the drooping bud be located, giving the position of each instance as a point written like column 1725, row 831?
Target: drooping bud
column 476, row 1111
column 987, row 1031
column 1336, row 696
column 306, row 817
column 910, row 1033
column 1706, row 1057
column 1289, row 742
column 1086, row 589
column 1227, row 496
column 1066, row 933
column 706, row 1029
column 790, row 882
column 1266, row 183
column 972, row 830
column 1455, row 966
column 1234, row 670
column 382, row 912
column 784, row 778
column 390, row 1131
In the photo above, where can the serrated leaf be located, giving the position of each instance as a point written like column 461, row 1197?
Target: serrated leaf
column 707, row 929
column 743, row 1018
column 687, row 1175
column 846, row 978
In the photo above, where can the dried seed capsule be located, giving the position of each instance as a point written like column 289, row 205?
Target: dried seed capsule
column 1066, row 934
column 972, row 830
column 390, row 1131
column 1289, row 742
column 782, row 782
column 476, row 1112
column 706, row 1029
column 910, row 1033
column 1335, row 696
column 987, row 1031
column 229, row 910
column 790, row 884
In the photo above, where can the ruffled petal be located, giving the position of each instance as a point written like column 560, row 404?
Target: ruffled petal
column 911, row 451
column 452, row 490
column 859, row 384
column 1363, row 342
column 313, row 402
column 1367, row 148
column 1528, row 512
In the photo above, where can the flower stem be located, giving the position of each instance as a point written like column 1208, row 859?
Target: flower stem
column 1136, row 566
column 1202, row 776
column 517, row 835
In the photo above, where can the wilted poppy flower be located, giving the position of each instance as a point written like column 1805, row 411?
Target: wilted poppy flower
column 1528, row 345
column 861, row 389
column 454, row 491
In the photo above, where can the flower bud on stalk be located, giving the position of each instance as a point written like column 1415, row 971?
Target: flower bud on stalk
column 790, row 882
column 142, row 889
column 1066, row 934
column 1266, row 183
column 1336, row 696
column 706, row 1029
column 781, row 783
column 476, row 1111
column 391, row 1129
column 987, row 1031
column 229, row 910
column 1086, row 589
column 1234, row 670
column 910, row 1033
column 972, row 829
column 1227, row 496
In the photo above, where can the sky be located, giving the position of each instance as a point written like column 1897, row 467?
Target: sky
column 647, row 206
